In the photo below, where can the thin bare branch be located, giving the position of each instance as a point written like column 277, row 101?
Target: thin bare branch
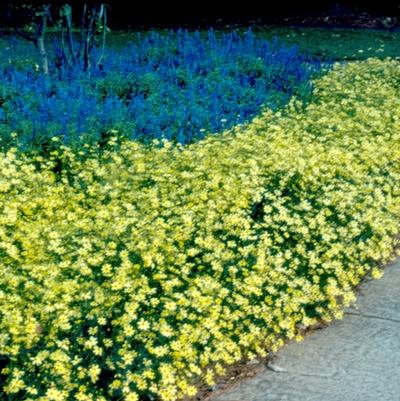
column 103, row 15
column 67, row 13
column 66, row 57
column 10, row 16
column 78, row 54
column 25, row 35
column 89, row 37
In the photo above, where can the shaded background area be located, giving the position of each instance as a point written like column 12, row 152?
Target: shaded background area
column 126, row 15
column 309, row 12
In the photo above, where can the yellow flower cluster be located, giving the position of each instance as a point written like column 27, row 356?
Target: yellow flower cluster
column 146, row 268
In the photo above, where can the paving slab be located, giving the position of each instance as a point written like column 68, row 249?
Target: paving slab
column 354, row 359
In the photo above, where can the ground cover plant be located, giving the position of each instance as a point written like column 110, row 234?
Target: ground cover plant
column 333, row 44
column 337, row 43
column 142, row 269
column 173, row 85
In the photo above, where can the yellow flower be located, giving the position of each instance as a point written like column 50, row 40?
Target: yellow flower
column 94, row 372
column 191, row 245
column 376, row 273
column 132, row 397
column 143, row 324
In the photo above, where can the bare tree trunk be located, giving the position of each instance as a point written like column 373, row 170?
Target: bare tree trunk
column 91, row 17
column 68, row 23
column 89, row 38
column 82, row 31
column 43, row 55
column 103, row 16
column 86, row 53
column 40, row 35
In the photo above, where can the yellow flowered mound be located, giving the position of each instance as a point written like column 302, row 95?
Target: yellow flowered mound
column 140, row 271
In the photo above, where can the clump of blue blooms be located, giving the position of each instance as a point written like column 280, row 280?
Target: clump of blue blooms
column 178, row 85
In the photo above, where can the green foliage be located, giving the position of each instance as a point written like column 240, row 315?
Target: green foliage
column 139, row 271
column 338, row 43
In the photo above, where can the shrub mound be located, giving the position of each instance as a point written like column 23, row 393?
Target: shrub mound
column 175, row 85
column 143, row 270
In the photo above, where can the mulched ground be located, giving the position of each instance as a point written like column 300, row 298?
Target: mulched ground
column 361, row 20
column 345, row 20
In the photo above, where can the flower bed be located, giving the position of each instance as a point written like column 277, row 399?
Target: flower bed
column 175, row 85
column 139, row 271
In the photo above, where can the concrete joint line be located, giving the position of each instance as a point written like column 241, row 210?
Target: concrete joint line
column 388, row 319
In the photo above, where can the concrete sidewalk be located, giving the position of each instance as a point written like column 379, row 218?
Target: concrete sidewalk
column 354, row 359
